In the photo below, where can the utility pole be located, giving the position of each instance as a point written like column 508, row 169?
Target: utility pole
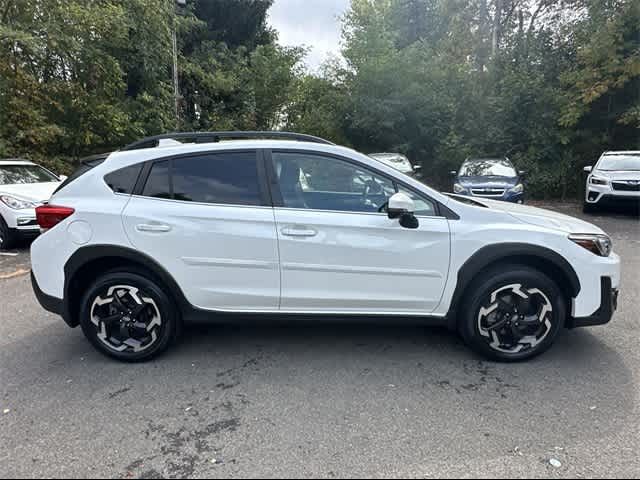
column 174, row 41
column 176, row 88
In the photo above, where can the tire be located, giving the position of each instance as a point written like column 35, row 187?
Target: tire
column 129, row 317
column 8, row 238
column 589, row 208
column 488, row 320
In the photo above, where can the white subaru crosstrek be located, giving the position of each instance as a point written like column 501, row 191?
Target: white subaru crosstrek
column 23, row 186
column 161, row 233
column 615, row 180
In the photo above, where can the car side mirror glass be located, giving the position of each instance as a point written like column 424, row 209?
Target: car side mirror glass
column 588, row 169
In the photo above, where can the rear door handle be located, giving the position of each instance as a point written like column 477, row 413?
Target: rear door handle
column 153, row 228
column 299, row 231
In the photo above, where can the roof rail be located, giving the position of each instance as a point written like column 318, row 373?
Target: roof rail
column 213, row 137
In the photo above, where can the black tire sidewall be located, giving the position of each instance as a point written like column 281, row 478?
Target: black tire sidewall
column 169, row 332
column 494, row 279
column 8, row 236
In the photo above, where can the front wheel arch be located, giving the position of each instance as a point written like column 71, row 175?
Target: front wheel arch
column 539, row 258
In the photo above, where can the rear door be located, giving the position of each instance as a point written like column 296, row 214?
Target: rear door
column 340, row 252
column 208, row 220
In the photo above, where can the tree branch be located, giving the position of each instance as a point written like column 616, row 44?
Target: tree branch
column 5, row 14
column 541, row 6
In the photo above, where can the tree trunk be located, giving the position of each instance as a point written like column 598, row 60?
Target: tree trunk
column 497, row 27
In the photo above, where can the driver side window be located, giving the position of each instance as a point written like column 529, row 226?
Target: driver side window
column 324, row 183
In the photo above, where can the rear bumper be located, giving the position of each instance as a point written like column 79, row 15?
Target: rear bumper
column 608, row 306
column 49, row 303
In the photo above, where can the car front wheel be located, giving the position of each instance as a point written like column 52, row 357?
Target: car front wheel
column 7, row 237
column 129, row 317
column 512, row 313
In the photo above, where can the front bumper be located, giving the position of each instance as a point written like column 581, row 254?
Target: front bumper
column 605, row 195
column 506, row 197
column 608, row 306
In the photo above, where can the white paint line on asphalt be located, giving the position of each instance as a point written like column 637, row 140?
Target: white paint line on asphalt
column 8, row 254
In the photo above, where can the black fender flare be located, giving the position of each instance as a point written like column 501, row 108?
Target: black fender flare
column 85, row 255
column 517, row 252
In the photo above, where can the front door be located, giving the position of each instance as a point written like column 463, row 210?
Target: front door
column 339, row 251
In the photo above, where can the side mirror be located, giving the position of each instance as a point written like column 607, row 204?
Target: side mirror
column 417, row 168
column 62, row 177
column 403, row 207
column 522, row 173
column 453, row 173
column 588, row 169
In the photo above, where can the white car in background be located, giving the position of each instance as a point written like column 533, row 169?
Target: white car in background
column 615, row 180
column 398, row 161
column 23, row 186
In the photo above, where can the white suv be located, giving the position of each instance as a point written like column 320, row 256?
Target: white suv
column 162, row 233
column 615, row 180
column 23, row 186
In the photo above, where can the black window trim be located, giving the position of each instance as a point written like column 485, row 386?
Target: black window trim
column 441, row 211
column 263, row 189
column 135, row 184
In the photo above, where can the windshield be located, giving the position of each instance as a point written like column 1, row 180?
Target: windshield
column 21, row 174
column 488, row 168
column 397, row 161
column 619, row 162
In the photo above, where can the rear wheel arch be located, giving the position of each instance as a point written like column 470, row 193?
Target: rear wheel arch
column 88, row 263
column 540, row 258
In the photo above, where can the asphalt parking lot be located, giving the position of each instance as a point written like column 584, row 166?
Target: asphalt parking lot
column 325, row 401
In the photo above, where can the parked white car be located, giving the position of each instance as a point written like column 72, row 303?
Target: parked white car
column 23, row 186
column 615, row 180
column 148, row 238
column 399, row 162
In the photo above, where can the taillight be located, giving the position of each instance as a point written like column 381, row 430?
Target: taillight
column 49, row 216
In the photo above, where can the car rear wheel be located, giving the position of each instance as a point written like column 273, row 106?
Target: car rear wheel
column 513, row 313
column 7, row 237
column 129, row 317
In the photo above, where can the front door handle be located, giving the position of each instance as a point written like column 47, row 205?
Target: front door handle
column 153, row 228
column 299, row 231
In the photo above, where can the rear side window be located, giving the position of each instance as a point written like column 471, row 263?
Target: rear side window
column 221, row 178
column 123, row 180
column 86, row 165
column 157, row 185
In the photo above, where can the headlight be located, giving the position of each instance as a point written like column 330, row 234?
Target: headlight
column 457, row 188
column 599, row 181
column 601, row 245
column 14, row 203
column 518, row 188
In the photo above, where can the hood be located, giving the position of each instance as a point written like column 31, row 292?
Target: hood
column 618, row 175
column 488, row 182
column 542, row 218
column 30, row 192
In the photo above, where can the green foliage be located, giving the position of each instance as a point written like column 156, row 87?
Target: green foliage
column 548, row 84
column 551, row 84
column 79, row 77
